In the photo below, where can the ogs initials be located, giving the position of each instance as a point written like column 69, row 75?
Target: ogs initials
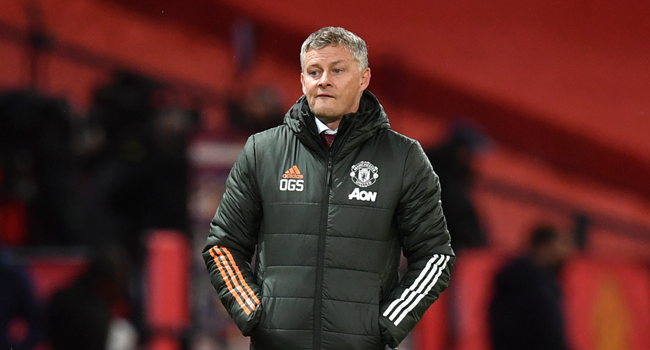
column 292, row 185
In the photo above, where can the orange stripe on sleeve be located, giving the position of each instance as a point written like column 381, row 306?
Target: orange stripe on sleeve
column 226, row 278
column 242, row 292
column 238, row 286
column 248, row 289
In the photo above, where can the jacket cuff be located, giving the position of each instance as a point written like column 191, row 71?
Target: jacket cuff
column 248, row 327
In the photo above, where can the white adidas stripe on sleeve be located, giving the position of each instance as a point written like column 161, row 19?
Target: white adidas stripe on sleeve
column 406, row 291
column 421, row 295
column 411, row 296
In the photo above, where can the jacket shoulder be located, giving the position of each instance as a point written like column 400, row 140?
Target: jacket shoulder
column 271, row 137
column 400, row 139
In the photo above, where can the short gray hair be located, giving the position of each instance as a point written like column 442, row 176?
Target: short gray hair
column 333, row 36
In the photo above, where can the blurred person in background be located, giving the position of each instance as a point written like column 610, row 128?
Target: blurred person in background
column 133, row 167
column 20, row 316
column 329, row 200
column 526, row 311
column 454, row 162
column 115, row 144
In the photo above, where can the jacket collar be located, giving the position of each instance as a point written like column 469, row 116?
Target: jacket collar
column 354, row 128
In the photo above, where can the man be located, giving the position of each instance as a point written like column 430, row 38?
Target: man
column 526, row 311
column 329, row 221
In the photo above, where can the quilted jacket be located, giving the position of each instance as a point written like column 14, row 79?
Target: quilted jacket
column 304, row 248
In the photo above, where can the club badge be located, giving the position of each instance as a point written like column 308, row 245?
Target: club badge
column 364, row 174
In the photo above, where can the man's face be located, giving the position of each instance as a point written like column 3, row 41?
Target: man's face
column 332, row 83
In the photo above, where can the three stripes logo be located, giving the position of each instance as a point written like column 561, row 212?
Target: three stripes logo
column 292, row 180
column 422, row 285
column 235, row 282
column 293, row 173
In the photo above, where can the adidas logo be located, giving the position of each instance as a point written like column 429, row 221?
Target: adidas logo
column 292, row 180
column 292, row 173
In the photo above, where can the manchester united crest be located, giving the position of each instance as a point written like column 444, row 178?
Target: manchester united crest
column 364, row 174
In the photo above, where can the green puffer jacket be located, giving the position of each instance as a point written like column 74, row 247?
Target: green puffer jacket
column 329, row 226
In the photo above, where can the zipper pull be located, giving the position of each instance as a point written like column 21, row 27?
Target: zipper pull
column 329, row 171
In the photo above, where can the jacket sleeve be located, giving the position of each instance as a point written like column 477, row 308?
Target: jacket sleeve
column 231, row 243
column 426, row 244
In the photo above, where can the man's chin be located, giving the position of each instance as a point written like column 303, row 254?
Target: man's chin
column 326, row 113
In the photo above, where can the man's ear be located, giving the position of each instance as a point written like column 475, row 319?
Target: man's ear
column 302, row 82
column 365, row 79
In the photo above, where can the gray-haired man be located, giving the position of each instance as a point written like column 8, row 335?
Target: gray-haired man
column 327, row 202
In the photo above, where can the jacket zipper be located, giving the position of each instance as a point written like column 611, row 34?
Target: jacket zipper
column 318, row 301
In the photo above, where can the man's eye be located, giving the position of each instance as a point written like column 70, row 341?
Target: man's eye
column 337, row 71
column 314, row 73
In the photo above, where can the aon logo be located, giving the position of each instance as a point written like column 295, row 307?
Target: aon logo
column 363, row 195
column 292, row 185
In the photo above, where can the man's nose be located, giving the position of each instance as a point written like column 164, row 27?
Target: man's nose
column 325, row 80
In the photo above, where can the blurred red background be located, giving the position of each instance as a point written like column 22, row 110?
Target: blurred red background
column 561, row 88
